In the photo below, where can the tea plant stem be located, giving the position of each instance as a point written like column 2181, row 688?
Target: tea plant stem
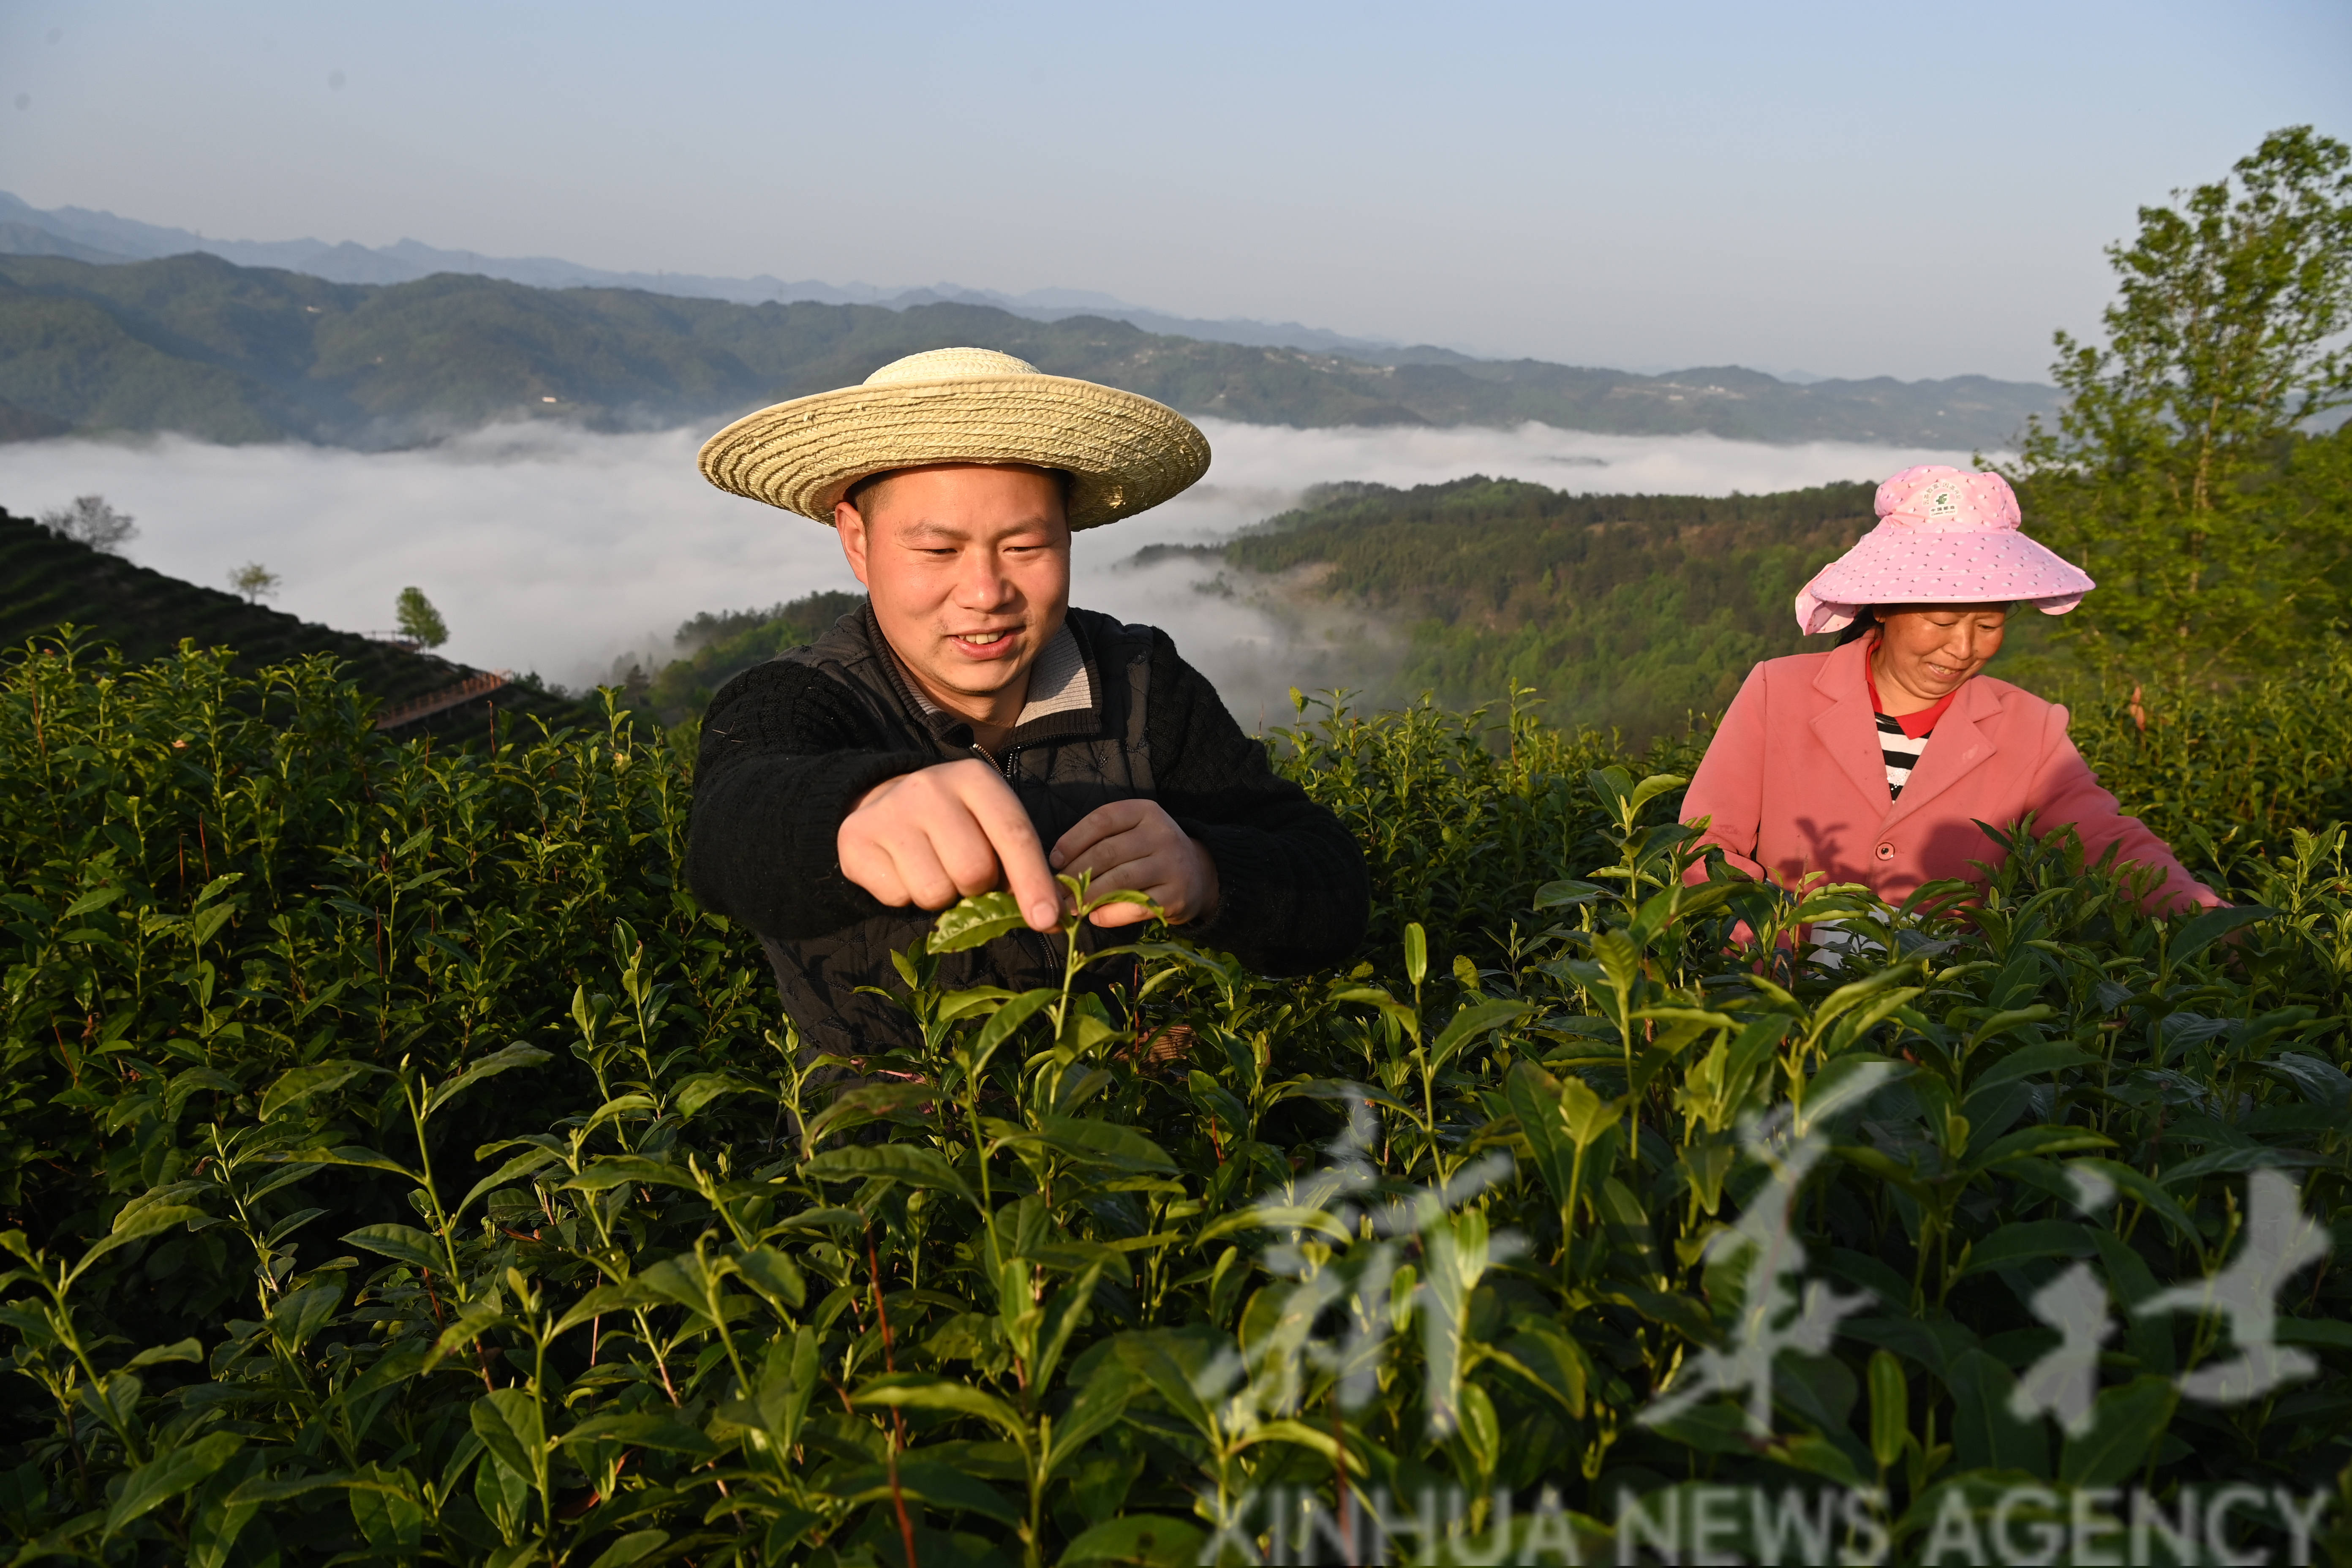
column 1568, row 1216
column 442, row 1226
column 1340, row 1473
column 898, row 1416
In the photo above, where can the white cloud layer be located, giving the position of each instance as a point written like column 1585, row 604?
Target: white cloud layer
column 559, row 550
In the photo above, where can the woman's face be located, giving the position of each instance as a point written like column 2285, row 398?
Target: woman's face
column 1928, row 651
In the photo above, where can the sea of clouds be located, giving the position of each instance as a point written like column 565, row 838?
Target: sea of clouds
column 551, row 549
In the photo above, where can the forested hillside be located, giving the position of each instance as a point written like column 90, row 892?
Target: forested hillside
column 725, row 644
column 195, row 344
column 46, row 581
column 1626, row 611
column 1632, row 612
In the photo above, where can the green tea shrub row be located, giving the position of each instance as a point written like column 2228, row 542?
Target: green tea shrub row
column 400, row 1168
column 2225, row 774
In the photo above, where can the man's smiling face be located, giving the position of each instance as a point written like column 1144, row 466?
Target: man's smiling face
column 968, row 565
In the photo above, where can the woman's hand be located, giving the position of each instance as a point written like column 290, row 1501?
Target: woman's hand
column 1133, row 844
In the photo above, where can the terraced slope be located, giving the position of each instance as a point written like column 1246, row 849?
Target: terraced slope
column 46, row 582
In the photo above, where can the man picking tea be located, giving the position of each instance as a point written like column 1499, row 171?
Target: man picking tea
column 967, row 729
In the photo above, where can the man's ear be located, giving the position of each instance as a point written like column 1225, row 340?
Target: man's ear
column 848, row 523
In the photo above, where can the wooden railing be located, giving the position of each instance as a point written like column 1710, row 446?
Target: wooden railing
column 481, row 684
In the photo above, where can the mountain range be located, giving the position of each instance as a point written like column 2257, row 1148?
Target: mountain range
column 86, row 236
column 267, row 348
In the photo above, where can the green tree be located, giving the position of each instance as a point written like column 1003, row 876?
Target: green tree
column 89, row 521
column 419, row 619
column 255, row 582
column 2181, row 472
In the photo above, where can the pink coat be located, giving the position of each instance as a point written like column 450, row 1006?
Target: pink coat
column 1794, row 783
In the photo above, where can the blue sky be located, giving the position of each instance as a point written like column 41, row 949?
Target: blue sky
column 1912, row 190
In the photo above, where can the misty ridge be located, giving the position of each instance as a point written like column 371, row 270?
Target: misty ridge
column 579, row 555
column 518, row 436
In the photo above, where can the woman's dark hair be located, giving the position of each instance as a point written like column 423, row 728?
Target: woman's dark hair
column 1866, row 619
column 1865, row 623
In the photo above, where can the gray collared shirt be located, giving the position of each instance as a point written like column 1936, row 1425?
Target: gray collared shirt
column 1059, row 682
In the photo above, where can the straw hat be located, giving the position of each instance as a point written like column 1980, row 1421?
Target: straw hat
column 1125, row 454
column 1944, row 537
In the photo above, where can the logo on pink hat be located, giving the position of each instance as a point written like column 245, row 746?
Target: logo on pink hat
column 1943, row 500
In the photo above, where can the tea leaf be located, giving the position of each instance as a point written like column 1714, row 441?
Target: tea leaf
column 2126, row 1421
column 1890, row 1409
column 302, row 1083
column 868, row 1102
column 698, row 1091
column 135, row 1223
column 508, row 1421
column 2203, row 931
column 914, row 1165
column 2015, row 1243
column 401, row 1243
column 96, row 898
column 168, row 1475
column 1471, row 1022
column 916, row 1391
column 973, row 922
column 1104, row 1144
column 635, row 1546
column 1137, row 1541
column 1565, row 894
column 496, row 1062
column 648, row 1431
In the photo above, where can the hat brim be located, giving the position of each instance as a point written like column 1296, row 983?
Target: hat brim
column 1125, row 454
column 1894, row 564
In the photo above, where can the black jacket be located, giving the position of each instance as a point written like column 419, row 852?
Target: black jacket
column 788, row 746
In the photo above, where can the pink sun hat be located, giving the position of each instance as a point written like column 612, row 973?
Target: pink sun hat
column 1944, row 537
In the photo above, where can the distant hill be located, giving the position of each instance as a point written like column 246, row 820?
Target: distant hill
column 195, row 344
column 724, row 644
column 23, row 425
column 26, row 230
column 46, row 580
column 1637, row 613
column 1632, row 612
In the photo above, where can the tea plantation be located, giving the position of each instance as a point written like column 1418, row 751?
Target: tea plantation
column 397, row 1166
column 45, row 580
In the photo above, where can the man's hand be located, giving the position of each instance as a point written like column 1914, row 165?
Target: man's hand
column 1134, row 844
column 943, row 833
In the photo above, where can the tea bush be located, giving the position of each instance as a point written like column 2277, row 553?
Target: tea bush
column 400, row 1167
column 2226, row 773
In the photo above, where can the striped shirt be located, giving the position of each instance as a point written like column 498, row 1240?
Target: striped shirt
column 1901, row 741
column 1901, row 753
